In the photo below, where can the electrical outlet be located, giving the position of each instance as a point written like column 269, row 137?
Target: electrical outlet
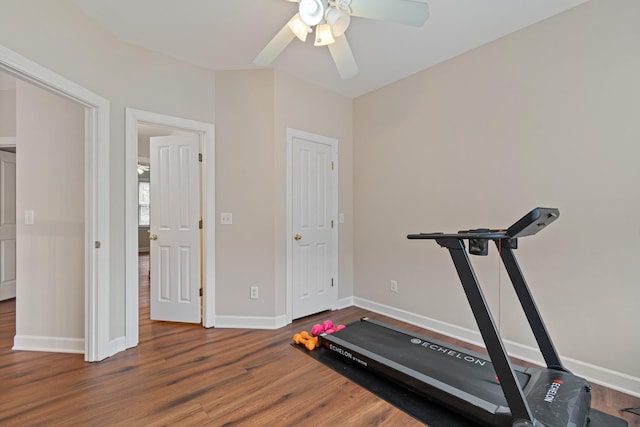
column 226, row 218
column 393, row 285
column 254, row 293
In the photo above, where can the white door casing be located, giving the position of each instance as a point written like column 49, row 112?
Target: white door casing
column 206, row 131
column 7, row 225
column 96, row 210
column 175, row 231
column 313, row 236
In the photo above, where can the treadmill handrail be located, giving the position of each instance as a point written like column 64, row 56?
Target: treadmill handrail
column 534, row 221
column 463, row 235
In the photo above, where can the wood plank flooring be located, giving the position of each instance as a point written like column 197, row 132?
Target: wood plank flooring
column 190, row 376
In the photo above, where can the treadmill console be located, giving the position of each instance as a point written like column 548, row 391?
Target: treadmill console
column 533, row 222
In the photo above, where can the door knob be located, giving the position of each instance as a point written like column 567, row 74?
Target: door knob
column 153, row 237
column 297, row 237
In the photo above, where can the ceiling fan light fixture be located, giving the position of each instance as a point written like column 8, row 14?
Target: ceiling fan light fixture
column 323, row 35
column 299, row 28
column 311, row 11
column 338, row 20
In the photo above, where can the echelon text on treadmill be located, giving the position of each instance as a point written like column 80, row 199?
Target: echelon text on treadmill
column 449, row 352
column 346, row 354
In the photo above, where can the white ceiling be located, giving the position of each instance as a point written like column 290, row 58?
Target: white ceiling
column 228, row 34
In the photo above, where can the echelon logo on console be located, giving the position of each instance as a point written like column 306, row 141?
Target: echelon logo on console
column 553, row 391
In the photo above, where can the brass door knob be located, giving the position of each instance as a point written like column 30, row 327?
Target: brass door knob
column 153, row 237
column 297, row 237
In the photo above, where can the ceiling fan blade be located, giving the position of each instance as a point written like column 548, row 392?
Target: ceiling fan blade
column 275, row 47
column 343, row 57
column 408, row 12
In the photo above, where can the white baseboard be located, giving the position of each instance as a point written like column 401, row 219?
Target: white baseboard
column 48, row 344
column 344, row 303
column 595, row 374
column 250, row 322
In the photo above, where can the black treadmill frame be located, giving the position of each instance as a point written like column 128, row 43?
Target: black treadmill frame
column 506, row 242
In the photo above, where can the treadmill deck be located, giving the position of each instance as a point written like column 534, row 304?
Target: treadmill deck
column 465, row 370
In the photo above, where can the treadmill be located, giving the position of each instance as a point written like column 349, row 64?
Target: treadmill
column 491, row 390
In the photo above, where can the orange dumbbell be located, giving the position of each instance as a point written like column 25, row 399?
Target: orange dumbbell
column 305, row 339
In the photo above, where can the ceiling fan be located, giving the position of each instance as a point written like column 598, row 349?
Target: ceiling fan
column 331, row 19
column 142, row 168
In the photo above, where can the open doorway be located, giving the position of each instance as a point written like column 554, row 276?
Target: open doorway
column 169, row 237
column 138, row 123
column 94, row 226
column 41, row 248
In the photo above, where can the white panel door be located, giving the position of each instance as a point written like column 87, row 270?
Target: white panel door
column 313, row 253
column 7, row 225
column 174, row 231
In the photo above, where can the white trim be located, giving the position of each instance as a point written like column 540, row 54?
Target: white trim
column 207, row 137
column 596, row 374
column 333, row 143
column 49, row 344
column 345, row 303
column 97, row 175
column 251, row 322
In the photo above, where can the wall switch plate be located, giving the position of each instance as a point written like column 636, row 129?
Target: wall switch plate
column 254, row 293
column 28, row 217
column 393, row 286
column 226, row 218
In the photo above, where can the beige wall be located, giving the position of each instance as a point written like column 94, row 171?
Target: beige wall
column 244, row 177
column 50, row 182
column 7, row 113
column 547, row 116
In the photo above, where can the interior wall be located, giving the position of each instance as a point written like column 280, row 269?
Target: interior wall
column 74, row 46
column 245, row 173
column 50, row 253
column 547, row 116
column 7, row 113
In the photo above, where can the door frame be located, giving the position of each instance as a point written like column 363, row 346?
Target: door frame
column 134, row 117
column 97, row 344
column 333, row 143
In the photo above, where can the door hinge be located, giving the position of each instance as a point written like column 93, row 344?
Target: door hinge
column 331, row 164
column 200, row 291
column 97, row 244
column 200, row 224
column 332, row 224
column 332, row 282
column 200, row 157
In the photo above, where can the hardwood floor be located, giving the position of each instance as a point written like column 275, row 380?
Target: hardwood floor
column 187, row 375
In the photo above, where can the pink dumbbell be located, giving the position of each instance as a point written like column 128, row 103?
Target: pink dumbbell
column 334, row 329
column 326, row 326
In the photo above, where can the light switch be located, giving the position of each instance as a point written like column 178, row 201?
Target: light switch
column 226, row 218
column 28, row 217
column 341, row 218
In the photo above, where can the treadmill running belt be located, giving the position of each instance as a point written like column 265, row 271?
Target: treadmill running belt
column 462, row 369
